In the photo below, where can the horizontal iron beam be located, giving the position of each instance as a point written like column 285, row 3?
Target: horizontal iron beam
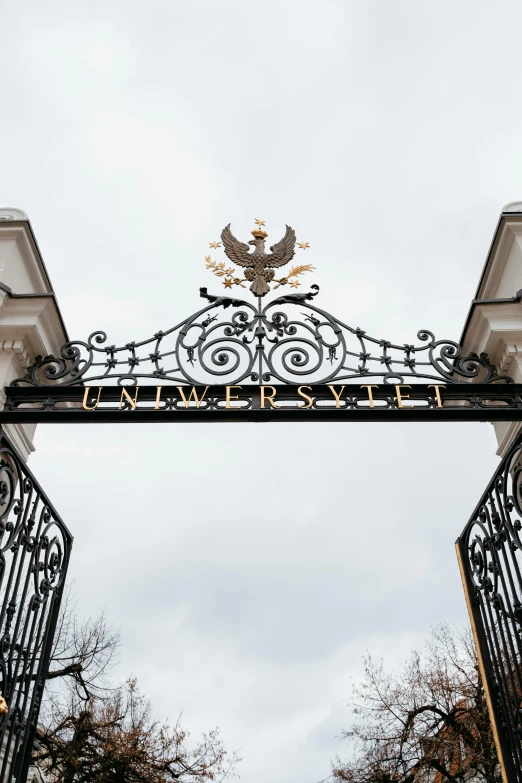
column 241, row 403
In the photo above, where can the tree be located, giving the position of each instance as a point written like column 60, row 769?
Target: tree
column 116, row 740
column 91, row 732
column 82, row 656
column 426, row 722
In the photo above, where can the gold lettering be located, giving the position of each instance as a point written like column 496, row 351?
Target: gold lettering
column 268, row 397
column 158, row 392
column 401, row 397
column 370, row 386
column 86, row 398
column 337, row 396
column 305, row 397
column 437, row 392
column 192, row 395
column 132, row 402
column 229, row 397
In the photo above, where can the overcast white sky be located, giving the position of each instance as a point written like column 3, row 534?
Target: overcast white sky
column 250, row 567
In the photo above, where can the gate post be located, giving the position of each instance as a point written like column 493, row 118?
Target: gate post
column 30, row 326
column 30, row 321
column 489, row 564
column 494, row 322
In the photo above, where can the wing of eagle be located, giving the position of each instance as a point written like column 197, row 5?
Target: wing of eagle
column 237, row 251
column 283, row 251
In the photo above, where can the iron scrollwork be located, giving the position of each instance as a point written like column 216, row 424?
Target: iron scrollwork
column 285, row 341
column 491, row 551
column 34, row 554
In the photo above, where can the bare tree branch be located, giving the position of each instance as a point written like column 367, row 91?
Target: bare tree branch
column 426, row 722
column 94, row 731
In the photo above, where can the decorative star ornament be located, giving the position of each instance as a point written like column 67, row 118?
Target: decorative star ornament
column 215, row 245
column 259, row 222
column 303, row 245
column 294, row 283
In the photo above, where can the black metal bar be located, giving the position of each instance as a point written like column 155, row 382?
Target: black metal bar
column 284, row 402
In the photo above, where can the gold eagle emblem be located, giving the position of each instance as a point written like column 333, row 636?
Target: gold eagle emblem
column 258, row 265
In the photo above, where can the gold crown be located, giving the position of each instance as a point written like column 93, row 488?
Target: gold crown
column 258, row 233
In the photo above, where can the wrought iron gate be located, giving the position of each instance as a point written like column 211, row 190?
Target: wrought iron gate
column 219, row 364
column 490, row 558
column 35, row 547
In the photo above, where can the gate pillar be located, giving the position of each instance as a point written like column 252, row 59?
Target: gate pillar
column 494, row 322
column 488, row 550
column 30, row 321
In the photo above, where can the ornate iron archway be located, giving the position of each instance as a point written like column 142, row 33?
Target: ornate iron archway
column 287, row 360
column 239, row 360
column 285, row 341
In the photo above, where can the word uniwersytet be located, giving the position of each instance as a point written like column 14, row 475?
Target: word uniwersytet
column 265, row 398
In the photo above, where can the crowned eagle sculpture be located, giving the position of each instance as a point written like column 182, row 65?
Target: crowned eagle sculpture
column 259, row 266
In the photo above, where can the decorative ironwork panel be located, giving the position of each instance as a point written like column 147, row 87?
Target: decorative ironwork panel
column 490, row 553
column 35, row 547
column 287, row 341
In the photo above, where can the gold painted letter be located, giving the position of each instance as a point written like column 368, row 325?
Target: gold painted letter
column 193, row 394
column 268, row 397
column 337, row 396
column 229, row 397
column 86, row 399
column 132, row 402
column 158, row 392
column 370, row 386
column 305, row 397
column 437, row 392
column 401, row 397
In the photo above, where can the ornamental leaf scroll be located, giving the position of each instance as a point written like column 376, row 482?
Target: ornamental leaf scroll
column 286, row 341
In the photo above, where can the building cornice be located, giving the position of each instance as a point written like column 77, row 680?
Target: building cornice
column 508, row 226
column 31, row 323
column 494, row 322
column 22, row 233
